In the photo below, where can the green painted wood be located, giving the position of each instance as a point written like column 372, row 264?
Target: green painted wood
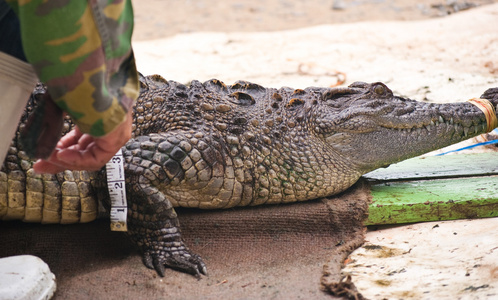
column 439, row 167
column 433, row 200
column 435, row 188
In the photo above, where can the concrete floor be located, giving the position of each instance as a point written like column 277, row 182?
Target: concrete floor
column 434, row 260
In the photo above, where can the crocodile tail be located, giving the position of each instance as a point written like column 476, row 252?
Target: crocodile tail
column 63, row 198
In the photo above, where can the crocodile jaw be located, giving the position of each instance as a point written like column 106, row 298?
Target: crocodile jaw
column 380, row 140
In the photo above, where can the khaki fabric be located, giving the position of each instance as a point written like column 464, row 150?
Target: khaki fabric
column 266, row 252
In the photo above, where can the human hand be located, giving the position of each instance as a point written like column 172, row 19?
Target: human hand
column 81, row 151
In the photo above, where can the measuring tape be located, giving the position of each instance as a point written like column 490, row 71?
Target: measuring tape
column 117, row 192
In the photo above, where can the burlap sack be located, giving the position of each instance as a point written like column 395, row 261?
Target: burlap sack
column 278, row 252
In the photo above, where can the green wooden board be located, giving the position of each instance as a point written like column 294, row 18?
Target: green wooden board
column 434, row 200
column 439, row 167
column 435, row 188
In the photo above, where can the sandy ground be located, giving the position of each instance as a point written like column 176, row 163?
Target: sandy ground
column 163, row 18
column 434, row 260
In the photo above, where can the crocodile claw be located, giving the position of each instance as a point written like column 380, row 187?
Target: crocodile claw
column 180, row 260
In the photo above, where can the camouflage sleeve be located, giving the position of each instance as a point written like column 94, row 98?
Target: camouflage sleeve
column 82, row 51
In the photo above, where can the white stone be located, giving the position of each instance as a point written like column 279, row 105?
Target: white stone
column 25, row 277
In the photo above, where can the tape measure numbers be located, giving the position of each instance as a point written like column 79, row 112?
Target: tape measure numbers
column 117, row 192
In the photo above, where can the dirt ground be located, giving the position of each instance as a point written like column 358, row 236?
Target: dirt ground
column 162, row 18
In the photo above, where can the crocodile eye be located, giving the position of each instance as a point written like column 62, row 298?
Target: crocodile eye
column 379, row 89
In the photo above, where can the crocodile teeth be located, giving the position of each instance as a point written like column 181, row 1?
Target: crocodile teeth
column 471, row 129
column 432, row 123
column 441, row 120
column 451, row 121
column 466, row 131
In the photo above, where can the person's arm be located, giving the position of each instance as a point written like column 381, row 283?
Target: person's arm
column 82, row 52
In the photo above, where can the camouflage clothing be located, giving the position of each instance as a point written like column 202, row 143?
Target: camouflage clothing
column 82, row 51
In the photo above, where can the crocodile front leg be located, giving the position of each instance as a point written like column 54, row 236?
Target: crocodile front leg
column 154, row 227
column 152, row 221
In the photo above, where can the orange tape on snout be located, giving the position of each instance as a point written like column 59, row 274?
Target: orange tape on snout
column 489, row 111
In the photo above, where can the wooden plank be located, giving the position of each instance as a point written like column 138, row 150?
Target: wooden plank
column 432, row 200
column 478, row 164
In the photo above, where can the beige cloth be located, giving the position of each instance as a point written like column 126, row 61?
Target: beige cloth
column 17, row 81
column 276, row 252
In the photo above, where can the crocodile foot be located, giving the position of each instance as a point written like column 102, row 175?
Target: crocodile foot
column 181, row 260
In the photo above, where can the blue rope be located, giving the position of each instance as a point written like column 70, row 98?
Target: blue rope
column 473, row 146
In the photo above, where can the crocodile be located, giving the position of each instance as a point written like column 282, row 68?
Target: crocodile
column 213, row 146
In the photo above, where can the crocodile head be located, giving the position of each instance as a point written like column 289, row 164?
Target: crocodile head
column 373, row 128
